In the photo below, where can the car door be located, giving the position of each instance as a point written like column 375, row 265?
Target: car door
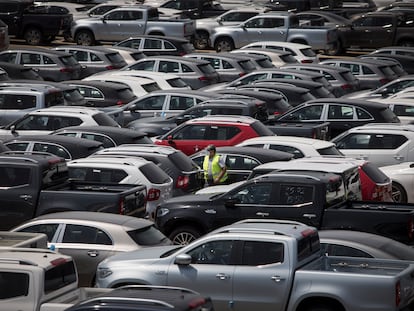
column 120, row 24
column 151, row 106
column 189, row 138
column 266, row 265
column 239, row 167
column 266, row 28
column 372, row 31
column 88, row 246
column 210, row 272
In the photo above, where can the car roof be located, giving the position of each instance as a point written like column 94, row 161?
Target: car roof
column 63, row 110
column 297, row 165
column 37, row 50
column 97, row 84
column 96, row 48
column 148, row 148
column 348, row 101
column 282, row 44
column 66, row 141
column 317, row 143
column 98, row 160
column 167, row 38
column 223, row 119
column 117, row 133
column 175, row 58
column 384, row 127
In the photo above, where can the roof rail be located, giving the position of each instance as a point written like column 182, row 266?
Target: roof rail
column 29, row 152
column 129, row 299
column 269, row 221
column 17, row 158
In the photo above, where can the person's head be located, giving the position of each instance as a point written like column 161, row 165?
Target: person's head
column 211, row 149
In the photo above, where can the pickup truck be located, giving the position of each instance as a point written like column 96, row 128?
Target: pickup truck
column 378, row 29
column 37, row 184
column 273, row 26
column 268, row 265
column 125, row 22
column 315, row 198
column 35, row 23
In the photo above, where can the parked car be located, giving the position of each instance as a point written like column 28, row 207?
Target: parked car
column 47, row 120
column 381, row 144
column 241, row 160
column 233, row 105
column 298, row 146
column 402, row 107
column 109, row 136
column 302, row 52
column 69, row 148
column 129, row 55
column 362, row 244
column 158, row 45
column 370, row 73
column 187, row 175
column 341, row 113
column 51, row 65
column 90, row 237
column 228, row 66
column 395, row 50
column 278, row 58
column 196, row 134
column 403, row 61
column 197, row 73
column 402, row 176
column 94, row 59
column 103, row 94
column 125, row 170
column 17, row 71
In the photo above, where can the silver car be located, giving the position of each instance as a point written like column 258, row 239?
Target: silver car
column 90, row 237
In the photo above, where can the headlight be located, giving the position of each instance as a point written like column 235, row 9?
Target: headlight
column 162, row 212
column 103, row 272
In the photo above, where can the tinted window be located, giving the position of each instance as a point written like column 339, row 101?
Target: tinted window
column 329, row 151
column 342, row 250
column 293, row 150
column 150, row 87
column 102, row 119
column 105, row 140
column 177, row 82
column 388, row 115
column 115, row 58
column 14, row 176
column 13, row 284
column 264, row 62
column 239, row 162
column 48, row 229
column 257, row 253
column 261, row 129
column 100, row 175
column 295, row 194
column 147, row 236
column 212, row 253
column 68, row 60
column 53, row 149
column 308, row 52
column 222, row 132
column 151, row 103
column 154, row 174
column 12, row 101
column 207, row 68
column 308, row 245
column 85, row 235
column 386, row 141
column 387, row 71
column 182, row 161
column 375, row 173
column 60, row 276
column 247, row 65
column 254, row 194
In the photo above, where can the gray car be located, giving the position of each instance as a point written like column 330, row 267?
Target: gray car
column 91, row 237
column 50, row 64
column 197, row 73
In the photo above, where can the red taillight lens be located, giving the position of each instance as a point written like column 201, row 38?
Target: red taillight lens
column 241, row 74
column 410, row 228
column 346, row 86
column 306, row 61
column 121, row 207
column 196, row 303
column 182, row 182
column 203, row 78
column 66, row 69
column 120, row 103
column 276, row 113
column 153, row 194
column 384, row 81
column 110, row 67
column 397, row 294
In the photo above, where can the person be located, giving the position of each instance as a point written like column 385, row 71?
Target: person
column 214, row 166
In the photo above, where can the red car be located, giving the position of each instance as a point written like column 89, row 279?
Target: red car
column 196, row 134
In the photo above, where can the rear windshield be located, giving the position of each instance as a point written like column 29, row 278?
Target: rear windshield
column 264, row 63
column 247, row 65
column 398, row 69
column 183, row 162
column 150, row 87
column 375, row 173
column 288, row 59
column 207, row 68
column 137, row 55
column 188, row 47
column 387, row 71
column 154, row 174
column 322, row 91
column 73, row 95
column 261, row 129
column 348, row 76
column 389, row 115
column 147, row 236
column 177, row 82
column 329, row 151
column 115, row 58
column 103, row 119
column 308, row 52
column 126, row 94
column 69, row 60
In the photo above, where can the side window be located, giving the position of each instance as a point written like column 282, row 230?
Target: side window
column 402, row 110
column 337, row 112
column 169, row 46
column 313, row 112
column 14, row 176
column 13, row 284
column 48, row 60
column 227, row 65
column 256, row 253
column 8, row 57
column 150, row 44
column 151, row 103
column 185, row 68
column 30, row 58
column 105, row 140
column 181, row 103
column 367, row 71
column 53, row 149
column 95, row 58
column 166, row 66
column 234, row 162
column 363, row 114
column 85, row 235
column 146, row 65
column 190, row 132
column 17, row 146
column 213, row 253
column 80, row 56
column 342, row 250
column 48, row 229
column 386, row 141
column 222, row 132
column 354, row 141
column 133, row 43
column 254, row 194
column 295, row 151
column 295, row 194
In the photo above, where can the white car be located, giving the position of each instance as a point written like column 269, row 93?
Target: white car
column 402, row 176
column 302, row 52
column 299, row 146
column 380, row 143
column 402, row 107
column 47, row 120
column 125, row 170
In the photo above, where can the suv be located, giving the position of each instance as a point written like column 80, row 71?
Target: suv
column 381, row 144
column 146, row 298
column 16, row 101
column 187, row 175
column 46, row 120
column 220, row 130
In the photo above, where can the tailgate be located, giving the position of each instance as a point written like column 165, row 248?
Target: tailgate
column 133, row 202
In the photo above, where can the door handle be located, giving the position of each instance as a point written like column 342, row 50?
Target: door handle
column 25, row 197
column 309, row 216
column 399, row 158
column 93, row 253
column 222, row 276
column 262, row 214
column 277, row 278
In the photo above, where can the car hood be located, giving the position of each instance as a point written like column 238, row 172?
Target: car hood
column 218, row 189
column 398, row 168
column 190, row 199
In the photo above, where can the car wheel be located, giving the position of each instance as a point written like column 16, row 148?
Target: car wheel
column 224, row 45
column 33, row 36
column 201, row 40
column 335, row 50
column 184, row 235
column 84, row 37
column 399, row 194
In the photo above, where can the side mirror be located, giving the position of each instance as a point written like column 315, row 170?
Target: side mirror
column 13, row 129
column 219, row 20
column 170, row 139
column 183, row 259
column 231, row 202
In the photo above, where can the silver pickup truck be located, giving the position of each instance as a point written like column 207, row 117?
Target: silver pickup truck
column 128, row 21
column 267, row 265
column 273, row 26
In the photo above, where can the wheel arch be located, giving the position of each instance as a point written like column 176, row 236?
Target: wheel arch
column 173, row 224
column 328, row 302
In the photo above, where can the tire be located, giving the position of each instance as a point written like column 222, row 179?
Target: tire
column 184, row 235
column 399, row 195
column 201, row 40
column 85, row 37
column 335, row 50
column 224, row 45
column 33, row 36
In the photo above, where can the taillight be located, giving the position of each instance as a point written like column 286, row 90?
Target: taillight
column 120, row 103
column 241, row 74
column 276, row 113
column 182, row 182
column 346, row 86
column 384, row 81
column 203, row 78
column 397, row 294
column 410, row 228
column 306, row 61
column 121, row 207
column 110, row 67
column 153, row 194
column 195, row 303
column 66, row 69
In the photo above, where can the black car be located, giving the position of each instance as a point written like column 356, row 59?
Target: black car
column 109, row 136
column 240, row 161
column 103, row 94
column 187, row 175
column 341, row 113
column 237, row 105
column 69, row 148
column 17, row 71
column 146, row 298
column 406, row 61
column 158, row 45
